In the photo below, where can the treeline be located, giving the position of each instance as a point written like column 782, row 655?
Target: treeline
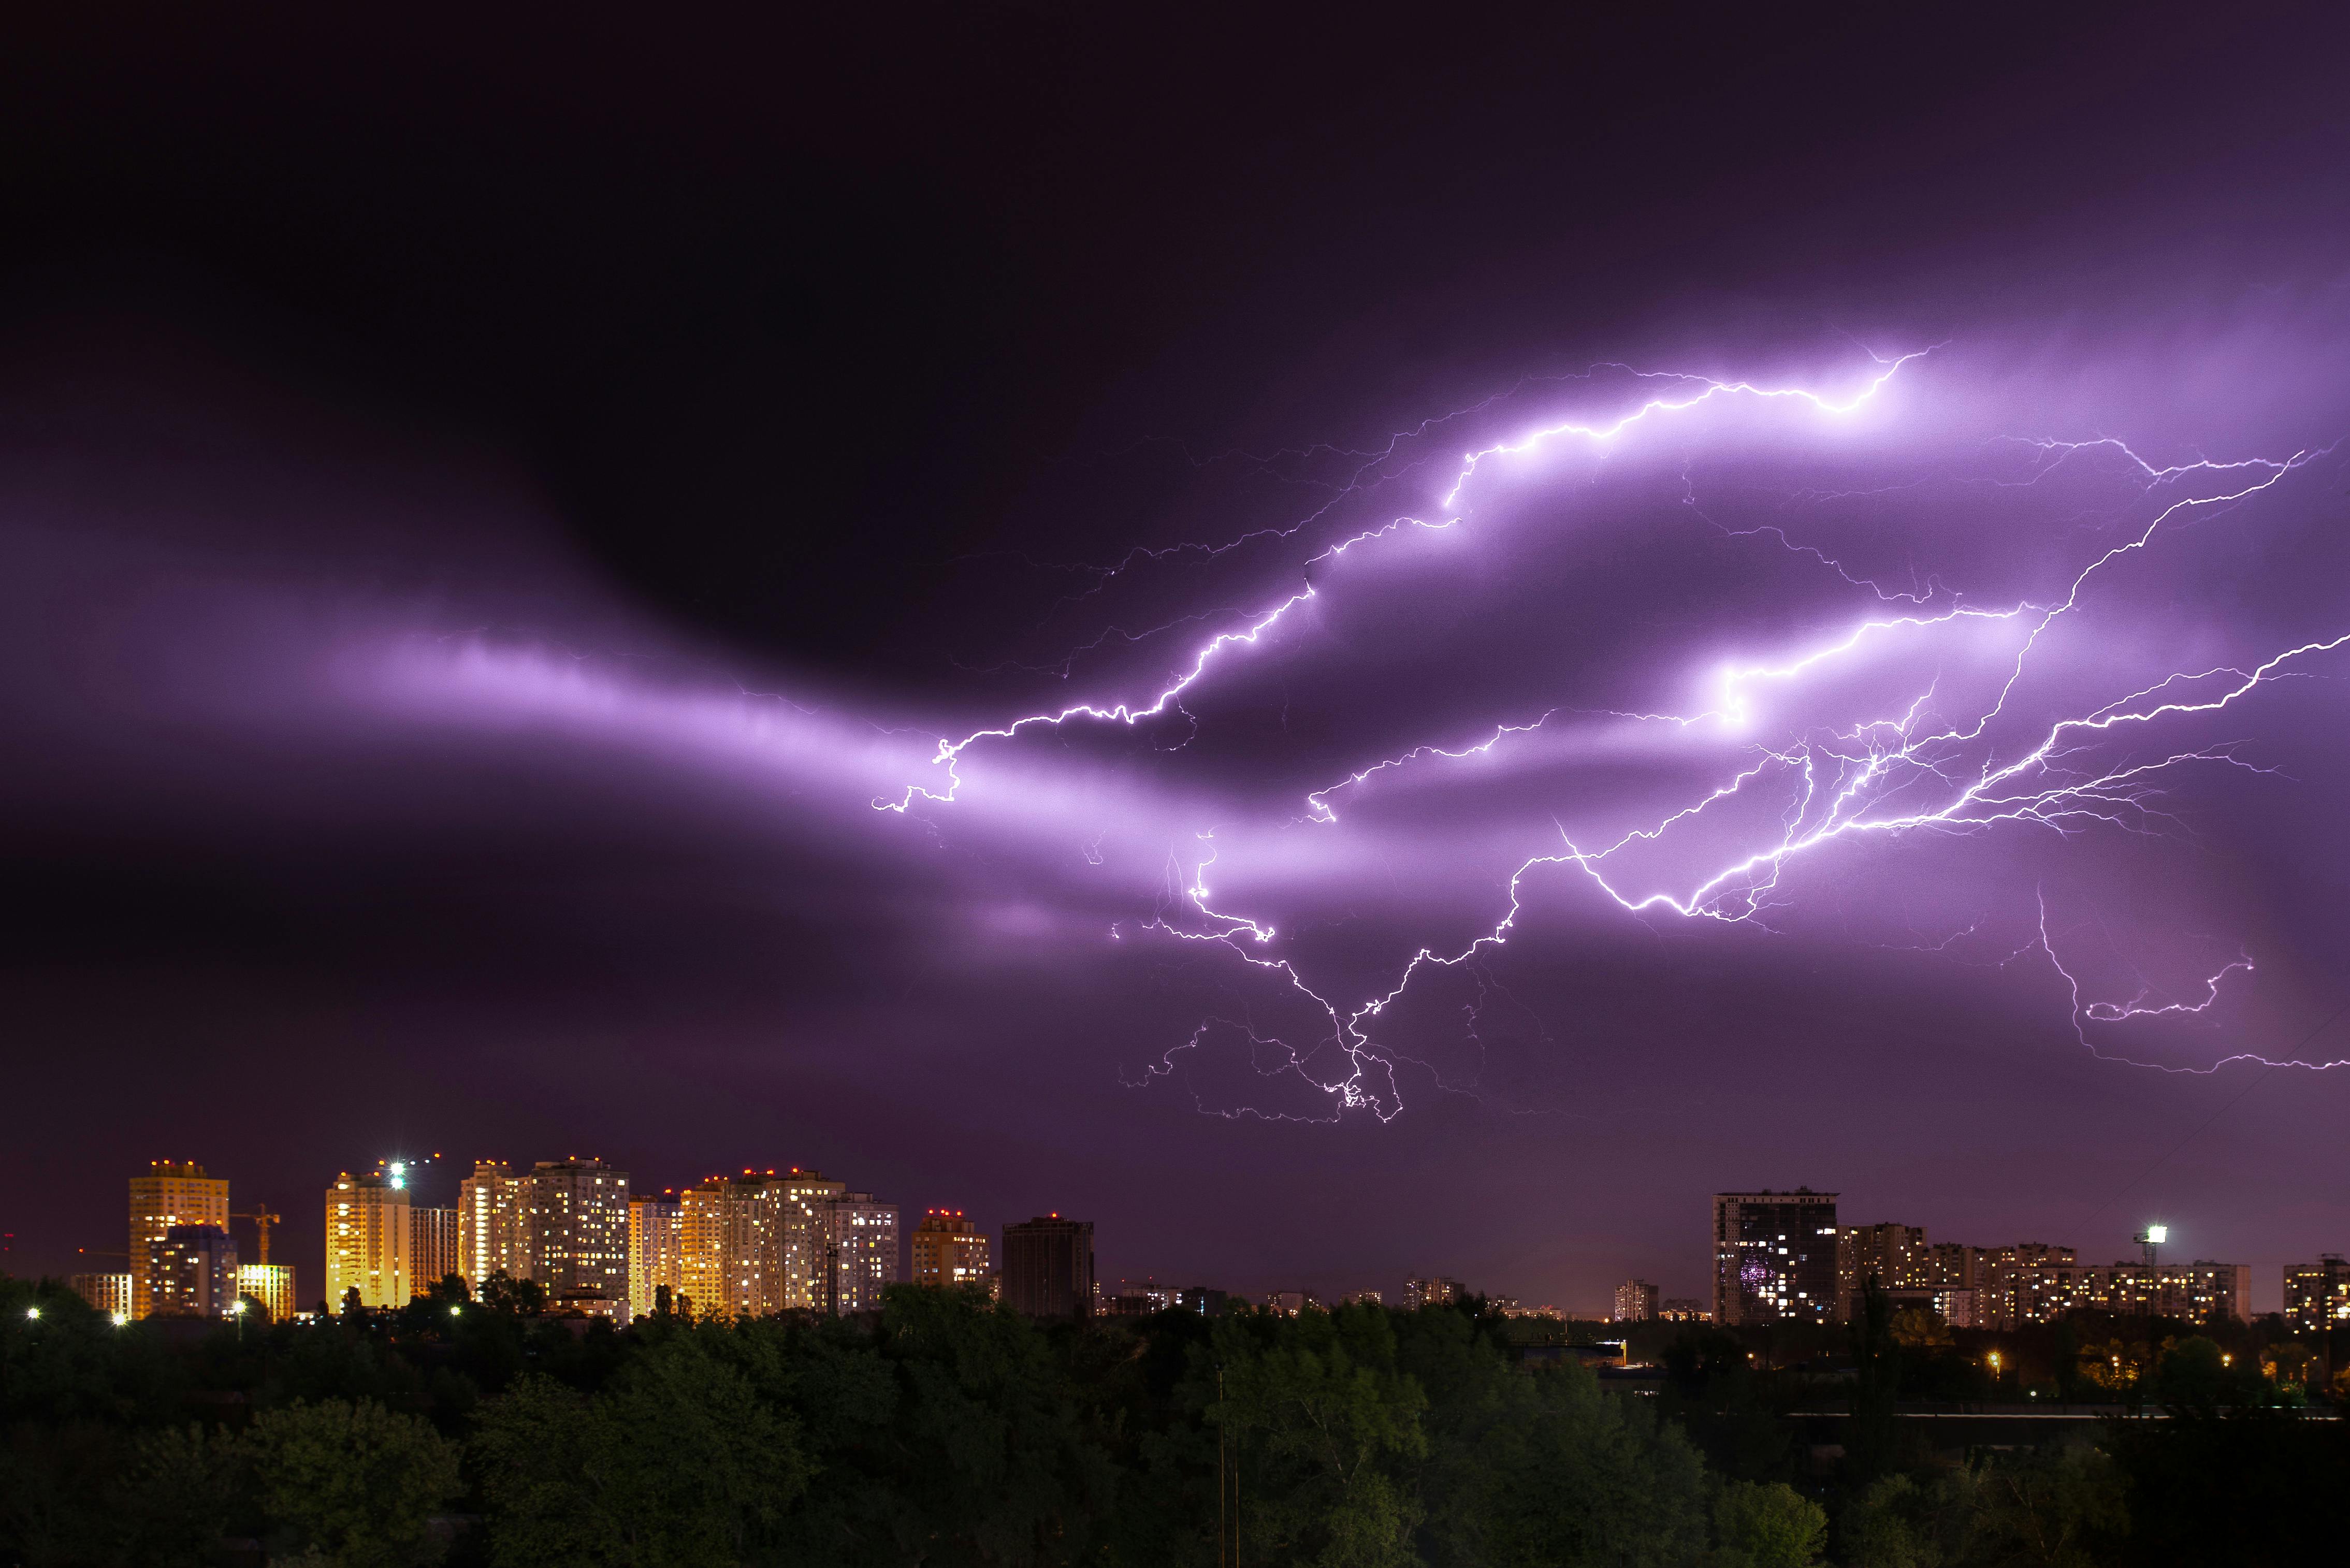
column 944, row 1430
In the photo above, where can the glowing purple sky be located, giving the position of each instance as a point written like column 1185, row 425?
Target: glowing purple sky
column 1872, row 726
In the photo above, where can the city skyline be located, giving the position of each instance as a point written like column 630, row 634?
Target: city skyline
column 1098, row 622
column 1897, row 1252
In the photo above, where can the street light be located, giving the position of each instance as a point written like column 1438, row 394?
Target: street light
column 32, row 1312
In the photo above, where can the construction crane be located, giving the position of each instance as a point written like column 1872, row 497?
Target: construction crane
column 262, row 1220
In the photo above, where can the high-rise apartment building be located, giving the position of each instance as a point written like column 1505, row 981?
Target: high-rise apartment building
column 435, row 1245
column 1892, row 1256
column 804, row 1246
column 576, row 1236
column 861, row 1252
column 1438, row 1291
column 950, row 1250
column 2010, row 1284
column 490, row 1205
column 192, row 1272
column 367, row 1240
column 727, row 1247
column 271, row 1284
column 1635, row 1301
column 793, row 1241
column 2317, row 1296
column 171, row 1192
column 1048, row 1267
column 110, row 1293
column 1775, row 1256
column 656, row 1249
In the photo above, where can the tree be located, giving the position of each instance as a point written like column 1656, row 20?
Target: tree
column 501, row 1292
column 1768, row 1525
column 1893, row 1524
column 996, row 1465
column 1325, row 1424
column 352, row 1481
column 678, row 1463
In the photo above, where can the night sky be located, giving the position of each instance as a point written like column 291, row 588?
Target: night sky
column 499, row 516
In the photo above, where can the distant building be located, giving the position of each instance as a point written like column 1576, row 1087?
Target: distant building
column 1289, row 1303
column 1891, row 1256
column 1437, row 1292
column 490, row 1204
column 1205, row 1302
column 192, row 1272
column 2036, row 1283
column 804, row 1201
column 950, row 1250
column 1361, row 1298
column 656, row 1250
column 861, row 1256
column 1048, row 1267
column 173, row 1192
column 271, row 1284
column 2009, row 1285
column 1683, row 1309
column 434, row 1248
column 2317, row 1296
column 1775, row 1256
column 1635, row 1301
column 367, row 1240
column 1949, row 1266
column 576, row 1236
column 726, row 1259
column 110, row 1293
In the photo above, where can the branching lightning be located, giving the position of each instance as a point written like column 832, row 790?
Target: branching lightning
column 1912, row 768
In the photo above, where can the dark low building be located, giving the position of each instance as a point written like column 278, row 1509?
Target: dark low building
column 1203, row 1301
column 1048, row 1267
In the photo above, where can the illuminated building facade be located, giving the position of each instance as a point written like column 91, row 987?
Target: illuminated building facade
column 2009, row 1287
column 804, row 1258
column 271, row 1284
column 192, row 1272
column 727, row 1251
column 576, row 1236
column 1048, row 1267
column 2044, row 1290
column 1683, row 1309
column 1894, row 1256
column 434, row 1247
column 950, row 1250
column 862, row 1253
column 171, row 1192
column 656, row 1249
column 367, row 1240
column 1635, row 1301
column 1437, row 1292
column 110, row 1293
column 1775, row 1256
column 2317, row 1296
column 490, row 1224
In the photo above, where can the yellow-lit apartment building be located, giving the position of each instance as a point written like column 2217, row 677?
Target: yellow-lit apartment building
column 367, row 1241
column 173, row 1192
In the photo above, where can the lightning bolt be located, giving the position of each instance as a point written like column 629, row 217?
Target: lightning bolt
column 1902, row 771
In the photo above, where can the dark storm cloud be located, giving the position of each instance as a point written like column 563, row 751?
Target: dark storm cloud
column 453, row 679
